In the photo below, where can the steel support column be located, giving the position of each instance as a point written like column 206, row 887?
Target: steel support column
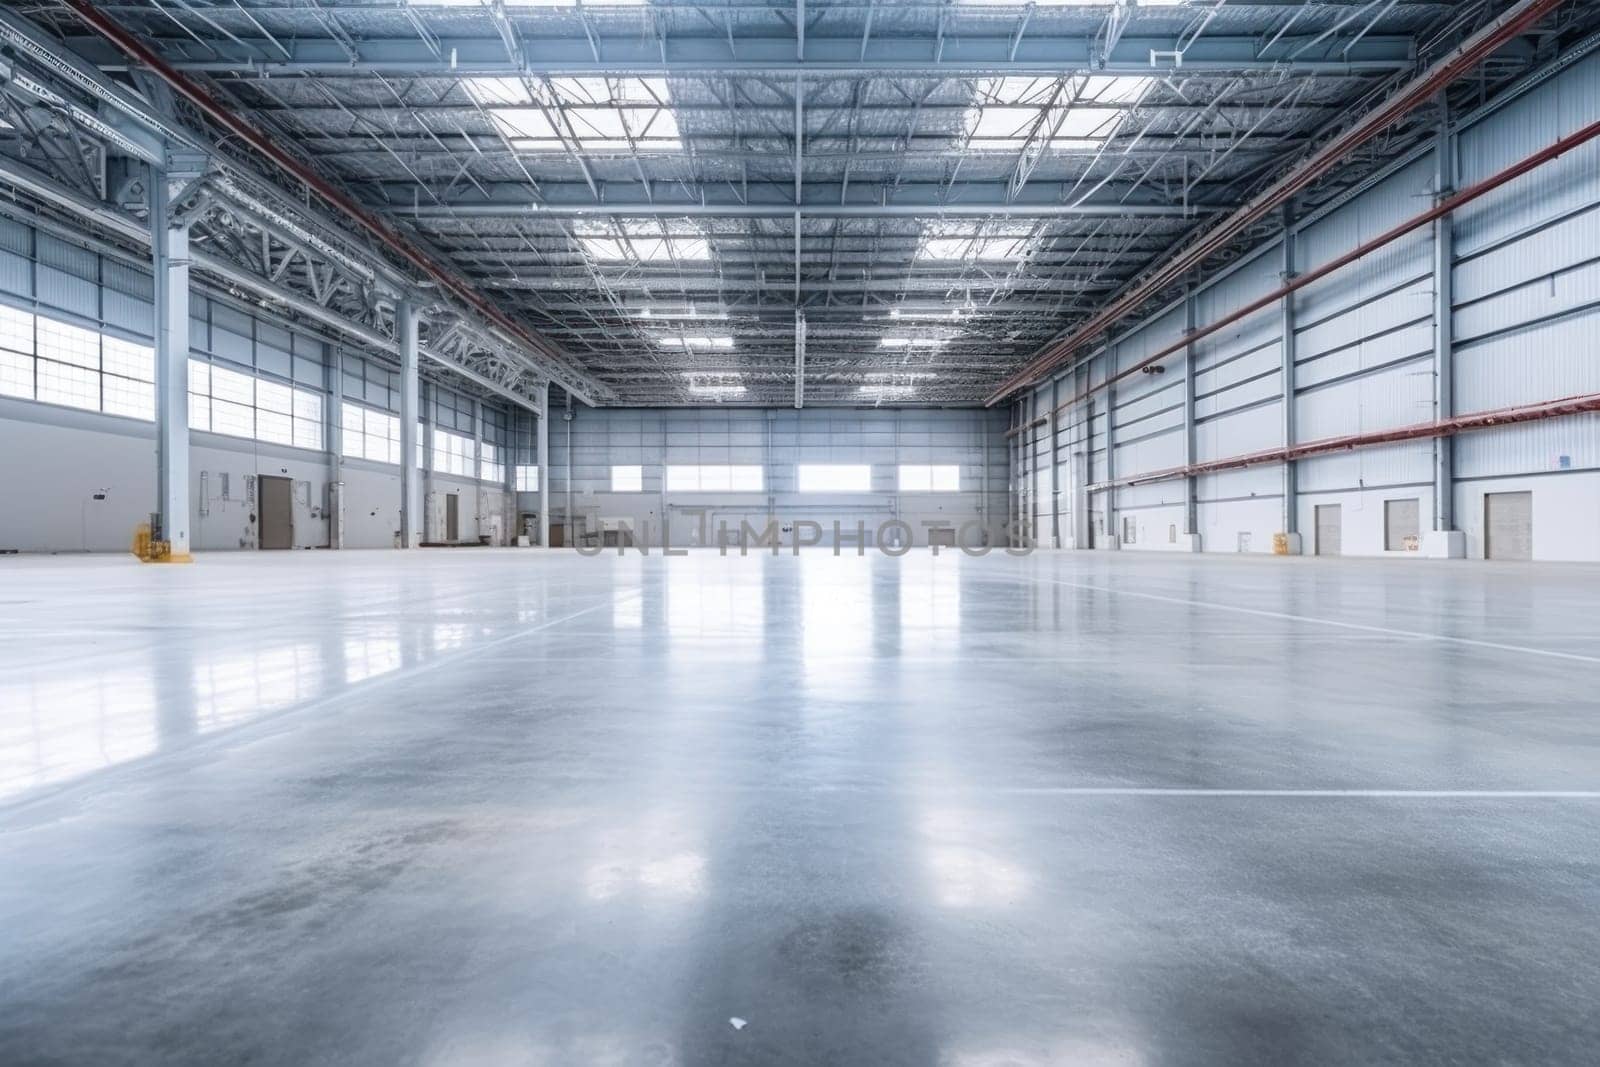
column 1286, row 350
column 1113, row 534
column 1088, row 468
column 541, row 444
column 430, row 411
column 170, row 268
column 1055, row 469
column 477, row 463
column 405, row 321
column 333, row 431
column 1191, row 489
column 508, row 460
column 1443, row 332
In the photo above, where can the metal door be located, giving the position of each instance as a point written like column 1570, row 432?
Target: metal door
column 277, row 512
column 1401, row 519
column 1329, row 527
column 452, row 517
column 1508, row 525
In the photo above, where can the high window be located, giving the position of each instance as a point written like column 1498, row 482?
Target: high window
column 930, row 478
column 240, row 405
column 627, row 478
column 835, row 477
column 368, row 434
column 711, row 479
column 452, row 454
column 59, row 363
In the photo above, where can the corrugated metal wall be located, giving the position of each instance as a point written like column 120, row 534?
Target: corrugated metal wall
column 779, row 441
column 43, row 273
column 1527, row 283
column 1526, row 310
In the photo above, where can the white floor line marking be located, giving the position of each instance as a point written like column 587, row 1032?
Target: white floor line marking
column 428, row 666
column 1419, row 635
column 1355, row 794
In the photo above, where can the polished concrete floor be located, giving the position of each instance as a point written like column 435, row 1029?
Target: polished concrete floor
column 499, row 807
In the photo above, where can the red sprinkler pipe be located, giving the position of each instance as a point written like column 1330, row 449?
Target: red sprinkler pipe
column 1480, row 420
column 1300, row 281
column 1421, row 89
column 448, row 280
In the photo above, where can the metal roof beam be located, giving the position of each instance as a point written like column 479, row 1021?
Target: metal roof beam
column 961, row 55
column 776, row 200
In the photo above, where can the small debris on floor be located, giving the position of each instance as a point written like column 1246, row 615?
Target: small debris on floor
column 737, row 1023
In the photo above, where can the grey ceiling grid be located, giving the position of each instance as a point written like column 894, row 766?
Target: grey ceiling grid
column 656, row 188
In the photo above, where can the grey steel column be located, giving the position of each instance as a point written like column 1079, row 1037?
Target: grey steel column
column 1113, row 524
column 430, row 413
column 477, row 463
column 1443, row 327
column 405, row 328
column 1055, row 465
column 170, row 265
column 1083, row 465
column 542, row 460
column 508, row 484
column 568, row 517
column 1291, row 481
column 1191, row 491
column 333, row 440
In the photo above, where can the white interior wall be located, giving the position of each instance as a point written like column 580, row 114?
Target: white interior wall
column 78, row 480
column 778, row 441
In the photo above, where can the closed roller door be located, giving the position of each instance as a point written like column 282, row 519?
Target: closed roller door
column 1401, row 521
column 1329, row 521
column 1508, row 525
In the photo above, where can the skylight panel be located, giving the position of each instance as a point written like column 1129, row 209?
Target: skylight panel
column 1077, row 112
column 1086, row 127
column 666, row 312
column 535, row 3
column 678, row 341
column 557, row 3
column 600, row 114
column 986, row 248
column 879, row 393
column 1113, row 89
column 893, row 386
column 489, row 91
column 925, row 313
column 1001, row 127
column 638, row 241
column 659, row 249
column 716, row 387
column 600, row 242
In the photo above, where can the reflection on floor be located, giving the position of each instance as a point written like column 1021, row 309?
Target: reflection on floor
column 525, row 807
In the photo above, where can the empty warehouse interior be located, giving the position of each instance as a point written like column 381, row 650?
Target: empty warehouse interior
column 840, row 531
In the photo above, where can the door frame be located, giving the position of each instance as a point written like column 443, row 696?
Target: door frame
column 261, row 513
column 1316, row 522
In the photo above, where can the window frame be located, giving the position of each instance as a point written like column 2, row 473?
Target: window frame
column 932, row 471
column 802, row 469
column 678, row 480
column 637, row 480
